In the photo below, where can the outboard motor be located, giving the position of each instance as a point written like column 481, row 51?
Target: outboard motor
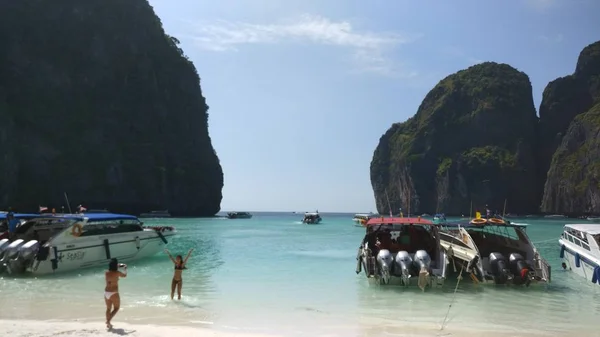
column 403, row 266
column 499, row 268
column 3, row 245
column 12, row 250
column 520, row 269
column 29, row 249
column 422, row 260
column 385, row 260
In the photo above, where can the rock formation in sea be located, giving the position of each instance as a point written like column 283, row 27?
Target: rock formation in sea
column 97, row 101
column 569, row 138
column 472, row 140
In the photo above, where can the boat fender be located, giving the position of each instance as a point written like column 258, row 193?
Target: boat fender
column 562, row 251
column 577, row 260
column 77, row 230
column 162, row 237
column 137, row 242
column 106, row 248
column 596, row 275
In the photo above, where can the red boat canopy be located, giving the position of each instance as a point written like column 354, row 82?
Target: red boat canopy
column 398, row 221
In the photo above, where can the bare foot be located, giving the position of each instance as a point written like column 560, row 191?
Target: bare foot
column 108, row 325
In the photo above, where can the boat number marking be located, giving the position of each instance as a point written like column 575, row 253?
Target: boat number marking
column 75, row 255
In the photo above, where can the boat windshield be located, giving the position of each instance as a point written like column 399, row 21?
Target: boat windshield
column 597, row 238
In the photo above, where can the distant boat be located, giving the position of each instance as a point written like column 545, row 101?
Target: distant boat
column 239, row 215
column 362, row 218
column 593, row 218
column 311, row 218
column 156, row 214
column 555, row 216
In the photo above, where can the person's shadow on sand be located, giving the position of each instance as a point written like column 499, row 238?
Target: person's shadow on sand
column 120, row 332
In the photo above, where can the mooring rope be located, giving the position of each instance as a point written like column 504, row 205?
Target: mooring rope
column 453, row 297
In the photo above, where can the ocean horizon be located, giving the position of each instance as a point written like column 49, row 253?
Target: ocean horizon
column 273, row 275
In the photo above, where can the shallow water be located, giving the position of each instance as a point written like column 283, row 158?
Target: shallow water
column 273, row 274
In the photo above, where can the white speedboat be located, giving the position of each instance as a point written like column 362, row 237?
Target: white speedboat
column 57, row 243
column 311, row 218
column 580, row 250
column 402, row 250
column 362, row 218
column 494, row 251
column 156, row 214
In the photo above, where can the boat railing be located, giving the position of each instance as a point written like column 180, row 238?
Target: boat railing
column 542, row 267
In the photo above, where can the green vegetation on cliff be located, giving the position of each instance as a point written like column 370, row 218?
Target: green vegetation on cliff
column 97, row 101
column 471, row 139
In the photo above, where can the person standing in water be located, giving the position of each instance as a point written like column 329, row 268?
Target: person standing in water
column 111, row 291
column 179, row 263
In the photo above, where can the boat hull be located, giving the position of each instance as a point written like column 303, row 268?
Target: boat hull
column 586, row 268
column 464, row 256
column 96, row 251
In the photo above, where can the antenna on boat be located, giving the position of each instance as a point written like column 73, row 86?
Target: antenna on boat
column 504, row 210
column 471, row 209
column 389, row 205
column 68, row 204
column 409, row 202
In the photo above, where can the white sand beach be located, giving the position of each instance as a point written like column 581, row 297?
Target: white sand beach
column 30, row 328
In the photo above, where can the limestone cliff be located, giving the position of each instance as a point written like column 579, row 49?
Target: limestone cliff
column 472, row 139
column 97, row 101
column 569, row 131
column 564, row 99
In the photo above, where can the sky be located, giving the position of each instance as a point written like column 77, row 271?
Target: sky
column 300, row 91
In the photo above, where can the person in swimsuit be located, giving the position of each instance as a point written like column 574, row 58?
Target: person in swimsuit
column 111, row 292
column 179, row 263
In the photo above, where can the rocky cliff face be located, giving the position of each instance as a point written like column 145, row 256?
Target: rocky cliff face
column 97, row 101
column 470, row 140
column 569, row 128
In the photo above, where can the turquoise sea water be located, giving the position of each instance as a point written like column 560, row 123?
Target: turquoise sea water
column 273, row 274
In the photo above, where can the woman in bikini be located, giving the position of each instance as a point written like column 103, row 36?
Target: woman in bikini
column 179, row 267
column 111, row 292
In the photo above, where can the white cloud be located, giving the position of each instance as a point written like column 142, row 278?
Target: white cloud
column 369, row 49
column 459, row 53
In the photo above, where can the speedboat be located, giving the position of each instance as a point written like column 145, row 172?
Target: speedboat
column 402, row 250
column 311, row 218
column 439, row 218
column 580, row 250
column 48, row 244
column 362, row 218
column 22, row 217
column 494, row 251
column 239, row 215
column 156, row 214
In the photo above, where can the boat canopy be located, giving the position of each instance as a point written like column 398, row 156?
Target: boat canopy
column 487, row 224
column 398, row 221
column 92, row 217
column 586, row 228
column 24, row 216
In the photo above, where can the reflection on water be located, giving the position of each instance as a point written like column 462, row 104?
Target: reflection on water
column 273, row 273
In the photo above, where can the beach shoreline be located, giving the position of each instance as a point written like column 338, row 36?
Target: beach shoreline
column 50, row 328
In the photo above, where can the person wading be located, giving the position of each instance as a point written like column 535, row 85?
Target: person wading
column 179, row 263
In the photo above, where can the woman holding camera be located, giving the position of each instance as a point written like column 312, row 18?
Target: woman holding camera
column 111, row 291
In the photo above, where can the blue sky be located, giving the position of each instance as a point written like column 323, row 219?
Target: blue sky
column 301, row 90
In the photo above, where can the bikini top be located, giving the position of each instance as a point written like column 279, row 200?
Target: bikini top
column 180, row 267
